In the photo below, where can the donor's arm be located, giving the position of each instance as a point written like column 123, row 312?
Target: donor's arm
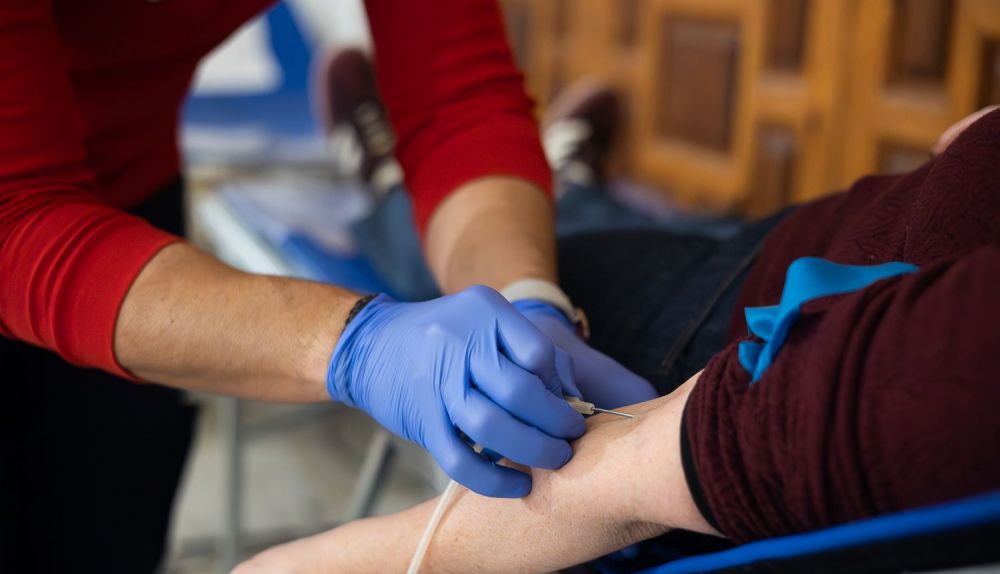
column 624, row 484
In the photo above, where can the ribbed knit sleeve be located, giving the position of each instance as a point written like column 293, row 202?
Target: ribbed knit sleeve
column 454, row 97
column 66, row 259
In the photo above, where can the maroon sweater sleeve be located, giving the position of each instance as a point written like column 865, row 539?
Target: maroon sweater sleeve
column 456, row 100
column 879, row 400
column 66, row 259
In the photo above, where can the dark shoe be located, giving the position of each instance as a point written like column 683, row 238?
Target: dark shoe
column 580, row 130
column 360, row 136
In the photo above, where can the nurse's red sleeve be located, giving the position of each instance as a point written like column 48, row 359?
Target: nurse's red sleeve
column 454, row 97
column 66, row 259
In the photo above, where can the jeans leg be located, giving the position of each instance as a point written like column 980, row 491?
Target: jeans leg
column 588, row 209
column 659, row 302
column 625, row 283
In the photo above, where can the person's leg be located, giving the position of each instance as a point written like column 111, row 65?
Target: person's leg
column 659, row 302
column 591, row 209
column 89, row 463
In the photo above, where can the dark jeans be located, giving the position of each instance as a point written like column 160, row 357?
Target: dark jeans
column 89, row 463
column 659, row 302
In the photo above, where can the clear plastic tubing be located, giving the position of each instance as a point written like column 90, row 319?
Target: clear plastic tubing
column 431, row 528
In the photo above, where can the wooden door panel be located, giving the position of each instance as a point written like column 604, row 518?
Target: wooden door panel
column 773, row 170
column 697, row 81
column 786, row 37
column 920, row 42
column 989, row 89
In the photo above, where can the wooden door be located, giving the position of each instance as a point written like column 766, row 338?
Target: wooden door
column 747, row 105
column 919, row 66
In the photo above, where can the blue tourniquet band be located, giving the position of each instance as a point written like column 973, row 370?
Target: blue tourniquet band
column 808, row 278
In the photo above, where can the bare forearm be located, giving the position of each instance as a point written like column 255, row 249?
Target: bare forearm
column 492, row 231
column 557, row 525
column 488, row 535
column 624, row 484
column 191, row 322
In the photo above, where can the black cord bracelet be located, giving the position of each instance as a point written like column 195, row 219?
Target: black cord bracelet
column 358, row 306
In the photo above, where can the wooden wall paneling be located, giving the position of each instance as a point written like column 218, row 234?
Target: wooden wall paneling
column 920, row 42
column 627, row 24
column 778, row 107
column 772, row 171
column 745, row 122
column 607, row 43
column 560, row 12
column 703, row 169
column 887, row 109
column 607, row 40
column 561, row 41
column 989, row 87
column 740, row 103
column 922, row 64
column 785, row 34
column 869, row 61
column 830, row 36
column 697, row 80
column 974, row 81
column 587, row 42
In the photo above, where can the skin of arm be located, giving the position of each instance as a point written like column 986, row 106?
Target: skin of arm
column 191, row 322
column 491, row 231
column 624, row 484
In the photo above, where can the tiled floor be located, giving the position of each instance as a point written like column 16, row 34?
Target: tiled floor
column 296, row 480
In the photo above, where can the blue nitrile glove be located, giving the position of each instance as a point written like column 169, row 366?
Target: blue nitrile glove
column 600, row 378
column 470, row 362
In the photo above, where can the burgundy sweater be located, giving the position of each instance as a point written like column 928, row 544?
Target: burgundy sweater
column 880, row 400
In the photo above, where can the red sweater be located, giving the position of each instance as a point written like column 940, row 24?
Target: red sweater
column 879, row 400
column 89, row 100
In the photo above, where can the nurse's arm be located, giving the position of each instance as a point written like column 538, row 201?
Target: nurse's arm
column 624, row 484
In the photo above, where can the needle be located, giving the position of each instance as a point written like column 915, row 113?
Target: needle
column 585, row 408
column 616, row 413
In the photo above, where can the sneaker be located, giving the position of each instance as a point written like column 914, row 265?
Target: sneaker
column 360, row 137
column 580, row 130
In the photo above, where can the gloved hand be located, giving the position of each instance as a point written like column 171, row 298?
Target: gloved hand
column 600, row 378
column 468, row 361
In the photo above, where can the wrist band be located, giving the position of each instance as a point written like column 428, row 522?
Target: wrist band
column 548, row 292
column 358, row 306
column 541, row 290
